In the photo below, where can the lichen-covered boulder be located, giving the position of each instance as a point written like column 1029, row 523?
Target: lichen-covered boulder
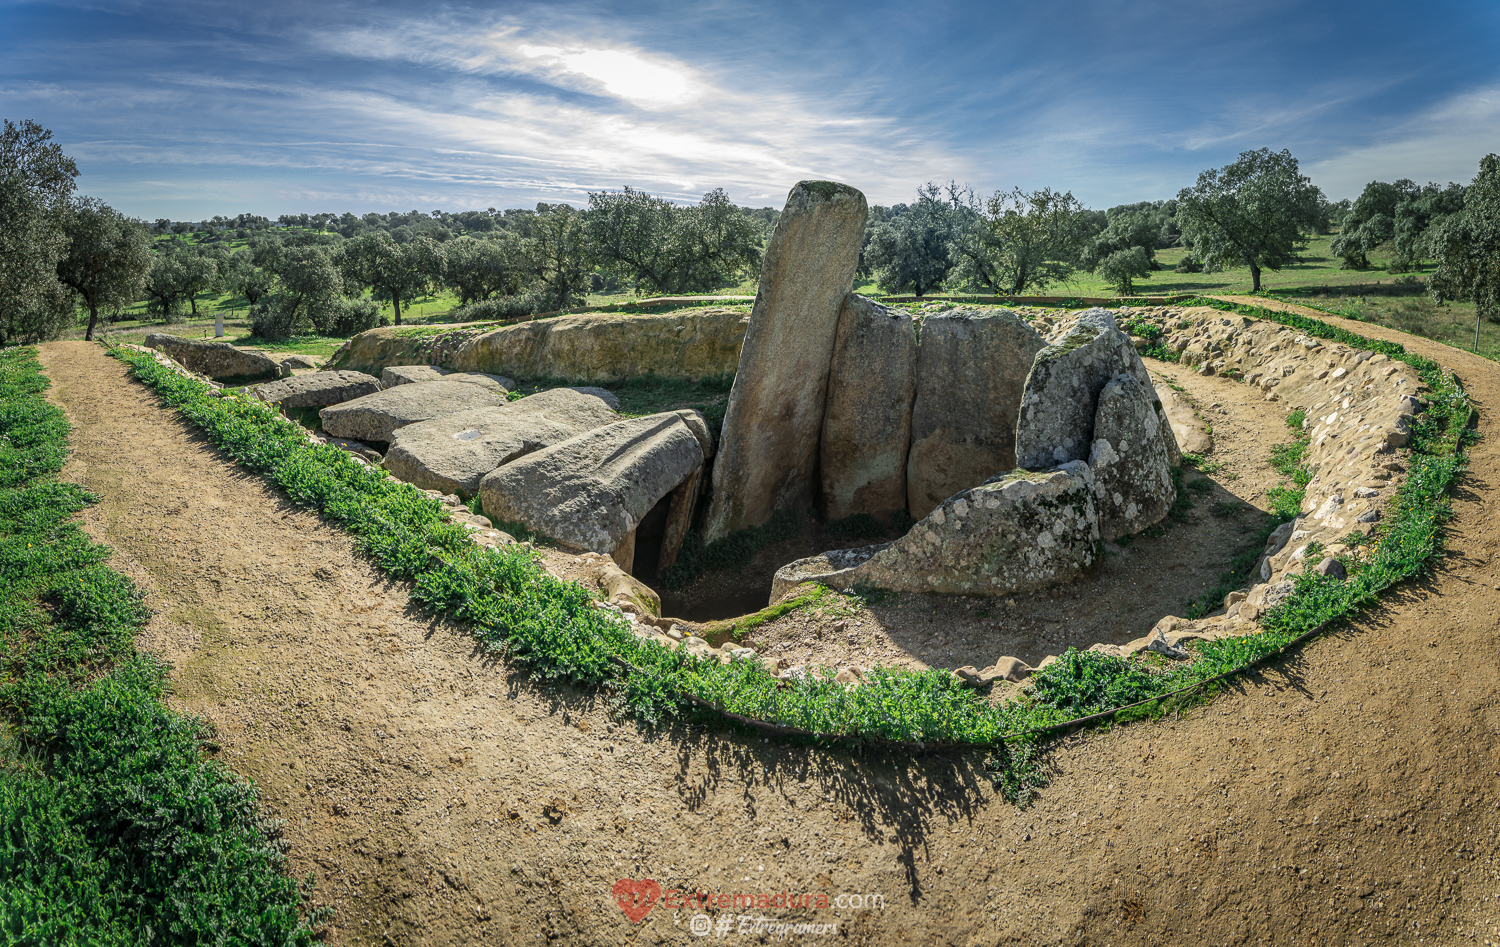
column 592, row 490
column 216, row 359
column 317, row 389
column 768, row 452
column 1017, row 532
column 867, row 421
column 377, row 417
column 1132, row 471
column 453, row 453
column 972, row 366
column 1056, row 420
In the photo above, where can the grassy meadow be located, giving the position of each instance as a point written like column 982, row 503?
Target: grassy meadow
column 1375, row 295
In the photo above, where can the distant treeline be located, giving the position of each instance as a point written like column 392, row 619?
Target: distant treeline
column 325, row 273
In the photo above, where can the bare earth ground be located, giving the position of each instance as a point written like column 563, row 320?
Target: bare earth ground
column 1344, row 796
column 1137, row 584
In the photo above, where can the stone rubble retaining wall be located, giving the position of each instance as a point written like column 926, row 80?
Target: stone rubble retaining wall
column 1360, row 408
column 687, row 344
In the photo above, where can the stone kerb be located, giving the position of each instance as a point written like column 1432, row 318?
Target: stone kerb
column 216, row 359
column 768, row 454
column 1360, row 407
column 591, row 347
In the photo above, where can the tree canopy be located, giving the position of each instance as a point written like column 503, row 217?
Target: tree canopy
column 664, row 247
column 36, row 181
column 1250, row 213
column 1019, row 241
column 1370, row 222
column 1467, row 246
column 107, row 258
column 396, row 271
column 912, row 249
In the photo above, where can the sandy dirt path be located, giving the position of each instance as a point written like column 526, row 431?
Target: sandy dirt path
column 1346, row 795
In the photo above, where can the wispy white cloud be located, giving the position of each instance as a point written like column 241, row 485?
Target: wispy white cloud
column 1442, row 144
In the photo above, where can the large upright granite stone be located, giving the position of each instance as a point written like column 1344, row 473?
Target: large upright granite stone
column 1056, row 420
column 453, row 453
column 591, row 491
column 1132, row 471
column 377, row 417
column 317, row 389
column 867, row 422
column 971, row 370
column 768, row 453
column 216, row 359
column 1018, row 532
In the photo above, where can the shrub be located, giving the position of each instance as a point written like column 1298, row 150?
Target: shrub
column 500, row 308
column 350, row 317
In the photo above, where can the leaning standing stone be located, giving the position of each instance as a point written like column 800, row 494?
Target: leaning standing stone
column 1129, row 458
column 769, row 454
column 867, row 424
column 971, row 370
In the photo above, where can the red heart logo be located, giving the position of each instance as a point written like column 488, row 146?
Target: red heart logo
column 636, row 898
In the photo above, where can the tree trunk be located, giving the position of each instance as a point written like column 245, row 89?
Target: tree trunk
column 88, row 336
column 396, row 301
column 1254, row 278
column 193, row 302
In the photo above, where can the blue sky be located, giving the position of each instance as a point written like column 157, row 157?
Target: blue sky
column 185, row 110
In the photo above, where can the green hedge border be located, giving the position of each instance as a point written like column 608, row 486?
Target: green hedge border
column 553, row 627
column 114, row 828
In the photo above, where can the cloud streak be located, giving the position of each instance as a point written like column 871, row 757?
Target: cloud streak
column 339, row 107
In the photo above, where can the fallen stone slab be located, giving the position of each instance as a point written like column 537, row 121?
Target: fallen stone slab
column 394, row 375
column 1190, row 431
column 317, row 389
column 867, row 421
column 768, row 452
column 1019, row 531
column 591, row 491
column 216, row 359
column 1132, row 473
column 482, row 378
column 972, row 366
column 608, row 397
column 300, row 362
column 453, row 453
column 378, row 416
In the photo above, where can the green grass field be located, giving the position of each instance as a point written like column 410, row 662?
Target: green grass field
column 1399, row 301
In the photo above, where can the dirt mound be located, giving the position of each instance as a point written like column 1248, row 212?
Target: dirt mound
column 1345, row 795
